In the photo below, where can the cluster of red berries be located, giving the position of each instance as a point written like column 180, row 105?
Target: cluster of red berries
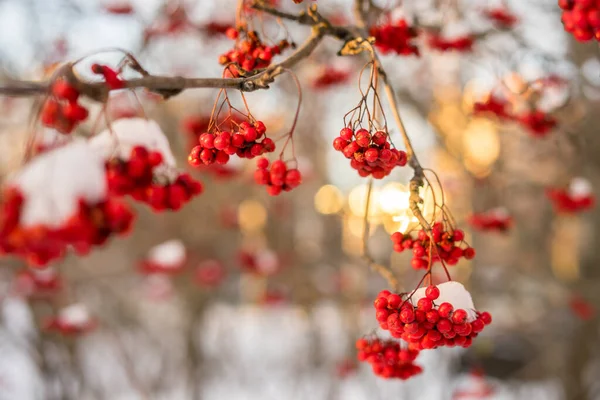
column 278, row 177
column 217, row 147
column 565, row 202
column 330, row 76
column 91, row 225
column 428, row 325
column 461, row 44
column 581, row 18
column 395, row 38
column 493, row 105
column 538, row 122
column 388, row 359
column 61, row 111
column 249, row 54
column 496, row 219
column 502, row 17
column 447, row 246
column 135, row 177
column 370, row 154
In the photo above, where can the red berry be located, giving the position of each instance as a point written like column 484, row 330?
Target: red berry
column 425, row 304
column 64, row 90
column 459, row 316
column 394, row 300
column 469, row 253
column 486, row 317
column 445, row 309
column 432, row 292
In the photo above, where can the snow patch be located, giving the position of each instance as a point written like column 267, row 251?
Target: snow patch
column 453, row 293
column 53, row 183
column 168, row 254
column 74, row 315
column 580, row 187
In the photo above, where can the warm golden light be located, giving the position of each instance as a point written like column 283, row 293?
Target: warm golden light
column 329, row 200
column 393, row 198
column 481, row 144
column 252, row 215
column 357, row 200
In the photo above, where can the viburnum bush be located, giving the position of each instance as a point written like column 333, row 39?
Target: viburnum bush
column 76, row 191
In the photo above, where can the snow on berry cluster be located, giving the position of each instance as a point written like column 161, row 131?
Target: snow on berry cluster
column 61, row 110
column 277, row 177
column 432, row 317
column 40, row 224
column 537, row 122
column 71, row 320
column 369, row 153
column 501, row 17
column 449, row 246
column 397, row 37
column 249, row 54
column 166, row 258
column 581, row 18
column 139, row 163
column 495, row 219
column 577, row 197
column 388, row 359
column 216, row 147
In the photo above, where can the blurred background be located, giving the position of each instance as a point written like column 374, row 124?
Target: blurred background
column 273, row 293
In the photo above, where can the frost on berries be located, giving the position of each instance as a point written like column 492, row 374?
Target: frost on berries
column 40, row 224
column 277, row 177
column 577, row 197
column 448, row 246
column 370, row 153
column 431, row 317
column 166, row 258
column 495, row 219
column 388, row 358
column 581, row 18
column 139, row 163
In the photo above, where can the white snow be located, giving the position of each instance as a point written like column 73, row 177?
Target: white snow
column 75, row 315
column 127, row 133
column 580, row 187
column 44, row 275
column 453, row 293
column 53, row 183
column 170, row 254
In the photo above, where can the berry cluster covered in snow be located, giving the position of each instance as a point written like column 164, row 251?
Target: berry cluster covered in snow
column 371, row 154
column 71, row 320
column 40, row 224
column 139, row 163
column 388, row 358
column 577, row 197
column 448, row 246
column 442, row 315
column 166, row 258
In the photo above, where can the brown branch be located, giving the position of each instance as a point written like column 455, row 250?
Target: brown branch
column 172, row 85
